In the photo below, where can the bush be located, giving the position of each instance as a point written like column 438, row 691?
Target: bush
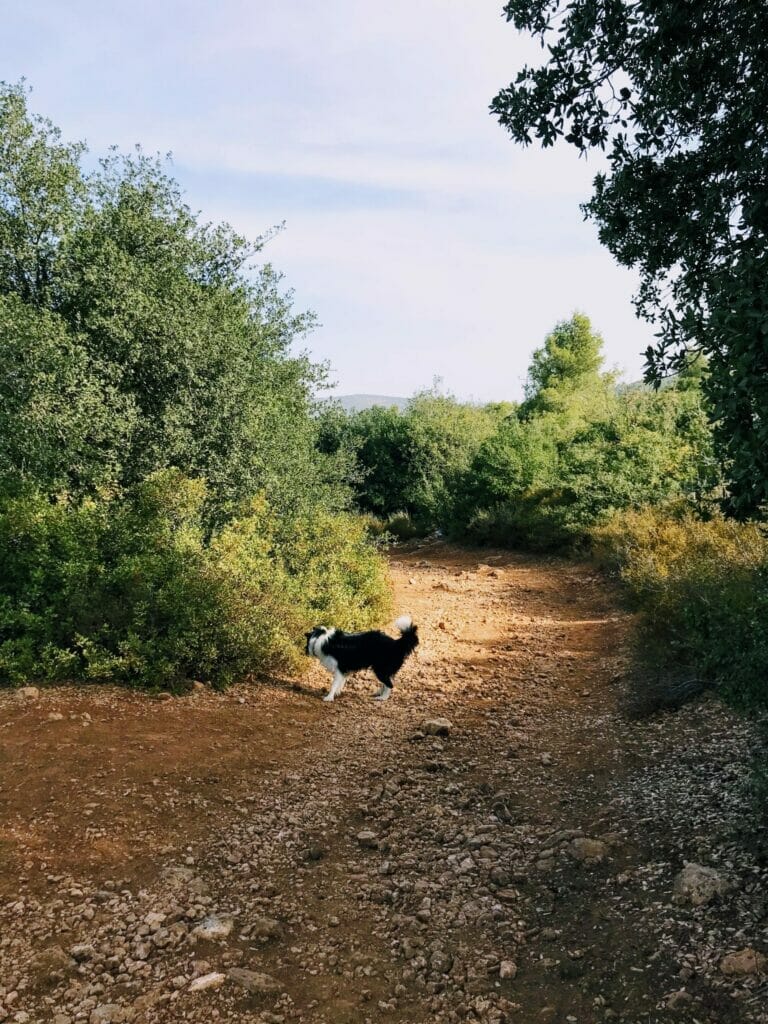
column 403, row 528
column 544, row 482
column 702, row 589
column 130, row 589
column 539, row 475
column 410, row 463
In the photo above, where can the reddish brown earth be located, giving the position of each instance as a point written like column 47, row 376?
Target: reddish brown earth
column 372, row 873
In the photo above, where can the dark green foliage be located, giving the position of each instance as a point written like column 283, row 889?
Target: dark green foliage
column 62, row 423
column 676, row 95
column 411, row 462
column 378, row 439
column 120, row 301
column 41, row 195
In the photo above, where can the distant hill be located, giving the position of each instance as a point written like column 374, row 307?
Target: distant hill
column 354, row 403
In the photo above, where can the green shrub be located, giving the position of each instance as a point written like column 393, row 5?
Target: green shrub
column 410, row 463
column 403, row 527
column 129, row 589
column 702, row 589
column 530, row 522
column 544, row 482
column 540, row 475
column 374, row 527
column 50, row 572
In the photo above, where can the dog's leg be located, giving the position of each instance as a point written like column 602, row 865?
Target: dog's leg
column 385, row 689
column 336, row 686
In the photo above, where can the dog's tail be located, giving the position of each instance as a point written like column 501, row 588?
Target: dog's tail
column 409, row 638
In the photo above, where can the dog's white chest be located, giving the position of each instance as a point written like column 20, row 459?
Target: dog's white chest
column 316, row 648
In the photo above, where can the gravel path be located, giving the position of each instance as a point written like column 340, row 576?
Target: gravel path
column 496, row 843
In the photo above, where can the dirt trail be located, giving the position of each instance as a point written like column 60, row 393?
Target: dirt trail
column 346, row 868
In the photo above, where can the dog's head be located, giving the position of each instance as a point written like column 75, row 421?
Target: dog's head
column 312, row 637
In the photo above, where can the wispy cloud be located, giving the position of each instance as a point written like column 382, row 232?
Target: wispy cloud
column 526, row 175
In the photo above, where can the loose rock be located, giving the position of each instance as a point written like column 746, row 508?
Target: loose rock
column 51, row 960
column 266, row 928
column 206, row 981
column 698, row 885
column 213, row 928
column 588, row 850
column 27, row 693
column 437, row 727
column 745, row 961
column 110, row 1013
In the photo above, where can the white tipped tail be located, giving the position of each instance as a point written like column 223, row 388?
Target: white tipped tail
column 403, row 623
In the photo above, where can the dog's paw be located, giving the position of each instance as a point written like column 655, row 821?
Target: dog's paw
column 328, row 698
column 383, row 696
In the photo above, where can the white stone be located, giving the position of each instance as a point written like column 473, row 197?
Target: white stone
column 206, row 981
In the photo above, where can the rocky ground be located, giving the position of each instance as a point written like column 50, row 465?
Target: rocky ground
column 496, row 843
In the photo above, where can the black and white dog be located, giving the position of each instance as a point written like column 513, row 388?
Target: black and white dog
column 342, row 653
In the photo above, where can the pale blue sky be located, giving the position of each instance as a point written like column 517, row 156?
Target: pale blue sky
column 427, row 243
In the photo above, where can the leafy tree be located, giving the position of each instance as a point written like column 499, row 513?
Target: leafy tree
column 581, row 449
column 135, row 338
column 566, row 365
column 41, row 189
column 539, row 475
column 377, row 439
column 164, row 511
column 443, row 435
column 61, row 423
column 564, row 375
column 675, row 94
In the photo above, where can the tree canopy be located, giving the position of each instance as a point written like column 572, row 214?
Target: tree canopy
column 568, row 362
column 674, row 92
column 134, row 337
